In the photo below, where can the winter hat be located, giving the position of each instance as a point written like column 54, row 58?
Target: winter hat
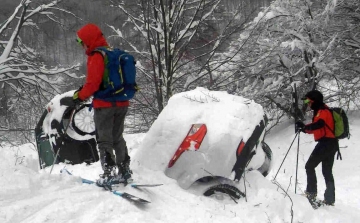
column 314, row 95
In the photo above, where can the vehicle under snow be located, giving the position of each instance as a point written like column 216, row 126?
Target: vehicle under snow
column 217, row 135
column 66, row 134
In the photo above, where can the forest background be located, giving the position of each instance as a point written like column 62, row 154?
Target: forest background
column 257, row 49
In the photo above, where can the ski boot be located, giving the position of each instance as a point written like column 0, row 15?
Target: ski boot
column 106, row 178
column 127, row 172
column 124, row 174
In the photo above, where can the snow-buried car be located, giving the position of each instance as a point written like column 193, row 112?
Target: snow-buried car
column 207, row 136
column 67, row 131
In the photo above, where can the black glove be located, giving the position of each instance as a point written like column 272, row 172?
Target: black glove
column 300, row 126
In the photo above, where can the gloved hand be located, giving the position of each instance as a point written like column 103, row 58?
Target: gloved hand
column 300, row 126
column 77, row 101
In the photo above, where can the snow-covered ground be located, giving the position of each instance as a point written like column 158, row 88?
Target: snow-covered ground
column 28, row 194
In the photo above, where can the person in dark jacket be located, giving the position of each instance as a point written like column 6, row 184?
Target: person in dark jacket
column 322, row 127
column 108, row 116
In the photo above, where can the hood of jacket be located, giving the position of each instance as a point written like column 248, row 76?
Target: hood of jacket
column 92, row 37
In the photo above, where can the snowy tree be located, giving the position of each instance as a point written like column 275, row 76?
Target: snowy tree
column 182, row 38
column 310, row 44
column 344, row 22
column 24, row 79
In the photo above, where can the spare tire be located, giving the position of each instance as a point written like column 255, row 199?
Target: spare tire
column 83, row 120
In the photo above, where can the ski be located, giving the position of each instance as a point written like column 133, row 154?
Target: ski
column 135, row 185
column 130, row 197
column 125, row 195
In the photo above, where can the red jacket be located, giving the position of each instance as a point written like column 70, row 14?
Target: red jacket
column 322, row 125
column 92, row 37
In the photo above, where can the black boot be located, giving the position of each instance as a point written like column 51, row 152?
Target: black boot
column 124, row 173
column 127, row 172
column 107, row 177
column 311, row 196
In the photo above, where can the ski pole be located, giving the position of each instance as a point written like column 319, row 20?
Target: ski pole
column 297, row 133
column 67, row 126
column 297, row 162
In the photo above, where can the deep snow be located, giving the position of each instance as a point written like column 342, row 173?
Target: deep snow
column 31, row 195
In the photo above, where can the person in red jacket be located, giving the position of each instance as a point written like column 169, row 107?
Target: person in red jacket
column 108, row 116
column 322, row 127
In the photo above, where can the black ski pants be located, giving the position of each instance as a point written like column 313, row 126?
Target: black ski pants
column 324, row 153
column 109, row 123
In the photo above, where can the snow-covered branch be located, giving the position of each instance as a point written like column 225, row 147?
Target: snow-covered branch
column 25, row 80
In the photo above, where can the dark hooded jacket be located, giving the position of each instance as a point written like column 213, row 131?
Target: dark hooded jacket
column 92, row 37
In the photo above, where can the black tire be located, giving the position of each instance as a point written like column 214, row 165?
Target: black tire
column 206, row 179
column 225, row 189
column 265, row 168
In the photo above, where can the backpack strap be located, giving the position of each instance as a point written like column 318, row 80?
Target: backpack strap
column 332, row 115
column 332, row 130
column 101, row 50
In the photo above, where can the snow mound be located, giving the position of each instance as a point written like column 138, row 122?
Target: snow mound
column 228, row 118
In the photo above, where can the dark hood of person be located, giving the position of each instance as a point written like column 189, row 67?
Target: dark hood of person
column 317, row 99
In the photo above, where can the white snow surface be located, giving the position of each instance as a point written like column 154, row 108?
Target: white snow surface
column 29, row 194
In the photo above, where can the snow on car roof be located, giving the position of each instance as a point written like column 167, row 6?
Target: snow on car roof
column 228, row 118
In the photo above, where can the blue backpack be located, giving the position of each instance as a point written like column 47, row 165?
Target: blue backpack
column 118, row 82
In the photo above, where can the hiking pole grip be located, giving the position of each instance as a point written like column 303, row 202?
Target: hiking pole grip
column 297, row 133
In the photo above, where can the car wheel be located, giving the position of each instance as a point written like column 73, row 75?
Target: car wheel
column 230, row 190
column 265, row 168
column 83, row 121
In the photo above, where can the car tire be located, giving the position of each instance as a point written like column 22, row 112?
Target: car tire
column 265, row 168
column 230, row 190
column 83, row 121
